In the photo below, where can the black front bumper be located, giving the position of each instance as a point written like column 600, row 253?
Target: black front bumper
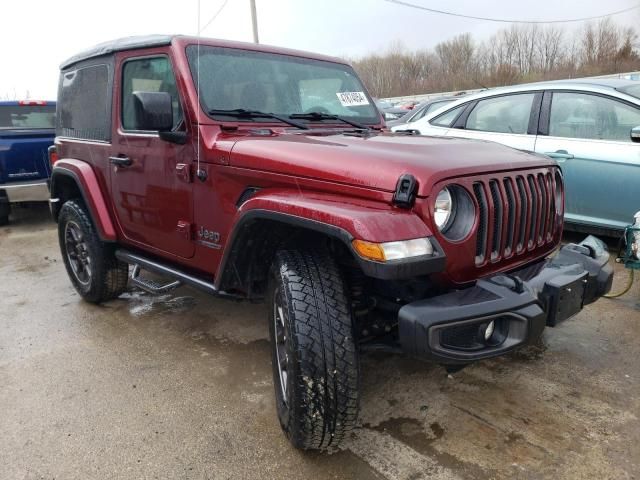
column 450, row 328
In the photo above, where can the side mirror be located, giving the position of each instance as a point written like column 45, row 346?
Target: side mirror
column 153, row 111
column 635, row 134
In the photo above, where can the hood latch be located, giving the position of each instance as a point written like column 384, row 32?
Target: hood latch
column 406, row 188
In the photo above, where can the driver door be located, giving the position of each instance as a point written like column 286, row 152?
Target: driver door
column 151, row 188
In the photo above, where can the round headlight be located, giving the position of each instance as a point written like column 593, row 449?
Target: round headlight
column 443, row 208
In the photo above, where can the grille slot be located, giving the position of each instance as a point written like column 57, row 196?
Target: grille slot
column 511, row 216
column 544, row 198
column 551, row 229
column 516, row 213
column 535, row 200
column 524, row 212
column 497, row 219
column 483, row 220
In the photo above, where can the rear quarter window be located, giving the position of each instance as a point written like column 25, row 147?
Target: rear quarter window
column 633, row 90
column 84, row 103
column 446, row 119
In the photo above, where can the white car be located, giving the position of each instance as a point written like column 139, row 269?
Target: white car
column 590, row 126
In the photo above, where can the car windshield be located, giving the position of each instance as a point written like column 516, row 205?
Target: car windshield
column 383, row 104
column 633, row 90
column 284, row 85
column 27, row 116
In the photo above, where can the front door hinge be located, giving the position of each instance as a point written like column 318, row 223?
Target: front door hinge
column 184, row 229
column 183, row 171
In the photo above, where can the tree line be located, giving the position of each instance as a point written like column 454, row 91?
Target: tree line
column 519, row 54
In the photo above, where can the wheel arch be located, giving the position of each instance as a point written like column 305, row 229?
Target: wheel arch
column 260, row 233
column 275, row 219
column 76, row 179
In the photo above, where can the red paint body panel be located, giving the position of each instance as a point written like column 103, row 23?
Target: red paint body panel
column 376, row 162
column 365, row 220
column 93, row 195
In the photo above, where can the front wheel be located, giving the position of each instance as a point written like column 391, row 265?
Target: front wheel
column 94, row 270
column 314, row 357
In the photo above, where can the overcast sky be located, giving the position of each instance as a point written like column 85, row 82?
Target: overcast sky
column 36, row 36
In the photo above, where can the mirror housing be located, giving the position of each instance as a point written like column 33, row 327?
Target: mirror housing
column 153, row 111
column 635, row 134
column 178, row 137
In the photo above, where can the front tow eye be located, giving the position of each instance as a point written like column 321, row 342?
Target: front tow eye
column 405, row 195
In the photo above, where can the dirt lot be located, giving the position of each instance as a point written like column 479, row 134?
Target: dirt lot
column 179, row 386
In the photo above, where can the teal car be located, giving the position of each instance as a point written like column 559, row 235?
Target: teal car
column 590, row 126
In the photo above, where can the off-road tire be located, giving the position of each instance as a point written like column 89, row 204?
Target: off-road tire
column 109, row 276
column 322, row 394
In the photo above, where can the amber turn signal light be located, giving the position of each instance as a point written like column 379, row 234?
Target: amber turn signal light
column 368, row 250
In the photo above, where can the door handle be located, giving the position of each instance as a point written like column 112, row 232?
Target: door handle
column 560, row 155
column 121, row 161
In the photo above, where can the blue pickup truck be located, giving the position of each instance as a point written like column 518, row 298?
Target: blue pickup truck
column 26, row 132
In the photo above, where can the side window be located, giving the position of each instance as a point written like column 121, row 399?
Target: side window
column 428, row 109
column 434, row 106
column 446, row 119
column 505, row 114
column 84, row 103
column 581, row 115
column 147, row 75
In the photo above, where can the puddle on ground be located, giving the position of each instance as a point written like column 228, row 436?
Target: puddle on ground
column 142, row 303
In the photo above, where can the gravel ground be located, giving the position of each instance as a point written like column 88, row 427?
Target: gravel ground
column 179, row 386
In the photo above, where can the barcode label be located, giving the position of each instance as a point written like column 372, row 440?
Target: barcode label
column 352, row 99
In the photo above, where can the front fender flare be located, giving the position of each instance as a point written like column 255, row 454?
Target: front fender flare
column 82, row 174
column 344, row 220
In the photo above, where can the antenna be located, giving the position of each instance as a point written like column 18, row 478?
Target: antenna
column 201, row 174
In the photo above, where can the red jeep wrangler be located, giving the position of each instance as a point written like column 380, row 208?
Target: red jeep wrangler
column 258, row 173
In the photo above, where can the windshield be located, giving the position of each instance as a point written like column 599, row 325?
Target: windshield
column 383, row 104
column 281, row 84
column 633, row 90
column 27, row 116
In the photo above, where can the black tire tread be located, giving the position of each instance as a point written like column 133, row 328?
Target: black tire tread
column 110, row 275
column 326, row 407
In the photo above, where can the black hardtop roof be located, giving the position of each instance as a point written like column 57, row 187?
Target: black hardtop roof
column 130, row 43
column 126, row 43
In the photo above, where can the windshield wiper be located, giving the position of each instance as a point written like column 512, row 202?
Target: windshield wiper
column 243, row 113
column 327, row 116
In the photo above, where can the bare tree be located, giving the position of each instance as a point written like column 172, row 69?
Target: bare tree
column 516, row 54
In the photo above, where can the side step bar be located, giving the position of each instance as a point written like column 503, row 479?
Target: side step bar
column 154, row 266
column 149, row 285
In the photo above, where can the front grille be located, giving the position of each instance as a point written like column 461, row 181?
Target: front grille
column 516, row 214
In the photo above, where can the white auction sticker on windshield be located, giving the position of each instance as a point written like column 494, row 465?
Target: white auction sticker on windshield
column 352, row 99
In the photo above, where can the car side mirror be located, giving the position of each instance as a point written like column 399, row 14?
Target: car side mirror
column 153, row 111
column 635, row 134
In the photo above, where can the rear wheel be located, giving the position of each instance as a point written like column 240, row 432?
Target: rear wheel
column 94, row 270
column 314, row 357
